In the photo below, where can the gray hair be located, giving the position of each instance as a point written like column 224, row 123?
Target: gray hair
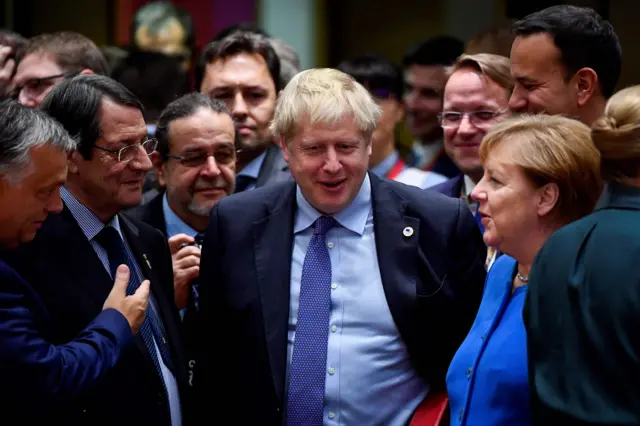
column 289, row 60
column 21, row 129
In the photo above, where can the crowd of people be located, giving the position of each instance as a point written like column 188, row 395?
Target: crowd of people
column 261, row 251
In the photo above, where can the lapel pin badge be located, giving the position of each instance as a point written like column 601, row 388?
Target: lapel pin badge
column 408, row 231
column 147, row 260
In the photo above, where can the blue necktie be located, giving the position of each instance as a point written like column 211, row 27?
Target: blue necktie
column 309, row 361
column 150, row 329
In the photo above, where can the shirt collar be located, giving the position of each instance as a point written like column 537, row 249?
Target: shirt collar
column 386, row 165
column 88, row 221
column 353, row 217
column 253, row 168
column 175, row 225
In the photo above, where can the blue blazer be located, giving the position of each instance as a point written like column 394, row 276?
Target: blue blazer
column 487, row 380
column 451, row 187
column 38, row 376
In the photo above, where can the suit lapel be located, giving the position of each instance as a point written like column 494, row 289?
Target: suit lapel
column 273, row 268
column 143, row 259
column 273, row 165
column 397, row 236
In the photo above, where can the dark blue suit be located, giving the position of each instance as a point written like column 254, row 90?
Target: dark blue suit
column 433, row 284
column 36, row 376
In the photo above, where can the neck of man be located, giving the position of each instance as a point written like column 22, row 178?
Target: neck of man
column 247, row 155
column 379, row 155
column 103, row 212
column 431, row 137
column 593, row 111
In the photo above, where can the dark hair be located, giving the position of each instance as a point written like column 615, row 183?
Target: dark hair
column 76, row 104
column 71, row 51
column 183, row 107
column 375, row 73
column 238, row 43
column 583, row 38
column 241, row 27
column 155, row 78
column 440, row 50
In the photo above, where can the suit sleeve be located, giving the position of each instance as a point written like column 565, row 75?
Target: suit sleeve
column 43, row 371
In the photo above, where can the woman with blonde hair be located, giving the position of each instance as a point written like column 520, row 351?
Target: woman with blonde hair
column 583, row 309
column 540, row 173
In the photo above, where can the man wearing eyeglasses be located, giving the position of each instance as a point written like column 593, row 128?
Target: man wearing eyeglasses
column 476, row 96
column 52, row 58
column 71, row 261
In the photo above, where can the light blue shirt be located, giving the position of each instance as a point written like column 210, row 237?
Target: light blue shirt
column 369, row 379
column 174, row 224
column 386, row 165
column 91, row 227
column 253, row 170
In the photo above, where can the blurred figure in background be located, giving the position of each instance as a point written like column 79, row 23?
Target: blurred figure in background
column 581, row 312
column 289, row 60
column 49, row 59
column 243, row 71
column 384, row 81
column 475, row 98
column 540, row 173
column 565, row 60
column 424, row 78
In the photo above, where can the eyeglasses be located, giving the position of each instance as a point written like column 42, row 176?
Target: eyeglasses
column 129, row 152
column 479, row 119
column 197, row 159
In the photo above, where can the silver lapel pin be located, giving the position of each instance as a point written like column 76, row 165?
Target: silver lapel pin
column 147, row 260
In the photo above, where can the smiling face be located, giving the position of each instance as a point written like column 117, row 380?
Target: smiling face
column 328, row 162
column 102, row 183
column 468, row 91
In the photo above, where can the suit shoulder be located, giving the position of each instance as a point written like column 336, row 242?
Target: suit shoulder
column 251, row 203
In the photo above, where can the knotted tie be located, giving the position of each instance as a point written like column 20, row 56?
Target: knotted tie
column 308, row 365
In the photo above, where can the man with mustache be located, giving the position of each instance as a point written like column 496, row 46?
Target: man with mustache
column 195, row 162
column 243, row 71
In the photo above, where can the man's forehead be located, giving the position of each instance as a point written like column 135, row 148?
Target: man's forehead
column 241, row 70
column 37, row 65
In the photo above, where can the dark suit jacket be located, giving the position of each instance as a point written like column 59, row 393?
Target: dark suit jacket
column 451, row 187
column 67, row 274
column 274, row 168
column 151, row 213
column 37, row 377
column 581, row 316
column 245, row 281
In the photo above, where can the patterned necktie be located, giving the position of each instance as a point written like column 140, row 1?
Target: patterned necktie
column 150, row 329
column 309, row 361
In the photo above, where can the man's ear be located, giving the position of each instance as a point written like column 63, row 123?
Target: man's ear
column 73, row 159
column 86, row 71
column 285, row 148
column 587, row 85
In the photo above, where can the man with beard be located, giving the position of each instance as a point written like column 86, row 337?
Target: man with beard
column 243, row 71
column 195, row 162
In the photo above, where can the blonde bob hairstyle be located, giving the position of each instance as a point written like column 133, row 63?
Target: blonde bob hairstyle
column 324, row 96
column 552, row 149
column 617, row 136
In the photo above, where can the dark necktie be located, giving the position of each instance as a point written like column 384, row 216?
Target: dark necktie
column 150, row 329
column 309, row 361
column 242, row 182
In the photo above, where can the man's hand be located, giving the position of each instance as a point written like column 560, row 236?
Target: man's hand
column 7, row 67
column 186, row 266
column 132, row 307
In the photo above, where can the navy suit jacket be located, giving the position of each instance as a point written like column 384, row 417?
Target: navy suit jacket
column 65, row 271
column 451, row 187
column 245, row 286
column 37, row 376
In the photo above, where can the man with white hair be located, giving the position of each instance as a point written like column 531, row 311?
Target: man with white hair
column 334, row 297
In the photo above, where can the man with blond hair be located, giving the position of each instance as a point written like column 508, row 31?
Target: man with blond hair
column 336, row 293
